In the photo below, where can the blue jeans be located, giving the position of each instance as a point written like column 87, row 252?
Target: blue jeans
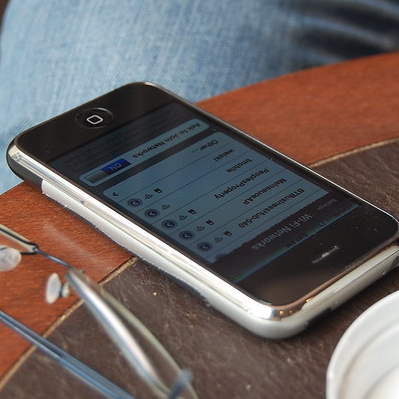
column 58, row 54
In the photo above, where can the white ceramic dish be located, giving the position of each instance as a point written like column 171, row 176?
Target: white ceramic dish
column 365, row 363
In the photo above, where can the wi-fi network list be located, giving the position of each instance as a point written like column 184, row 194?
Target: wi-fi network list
column 214, row 195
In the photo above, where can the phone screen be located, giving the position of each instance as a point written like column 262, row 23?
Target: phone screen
column 238, row 208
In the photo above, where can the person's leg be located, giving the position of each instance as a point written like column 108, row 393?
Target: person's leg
column 331, row 31
column 56, row 55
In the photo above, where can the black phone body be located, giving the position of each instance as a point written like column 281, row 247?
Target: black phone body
column 265, row 240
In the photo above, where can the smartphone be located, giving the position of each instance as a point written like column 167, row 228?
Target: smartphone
column 263, row 239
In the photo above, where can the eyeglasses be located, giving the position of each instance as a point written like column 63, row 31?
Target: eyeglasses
column 160, row 372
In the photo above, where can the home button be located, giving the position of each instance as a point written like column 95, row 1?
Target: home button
column 94, row 117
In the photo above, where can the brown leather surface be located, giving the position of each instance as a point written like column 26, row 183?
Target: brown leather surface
column 317, row 113
column 227, row 361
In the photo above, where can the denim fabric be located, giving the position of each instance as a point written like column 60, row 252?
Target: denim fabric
column 57, row 54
